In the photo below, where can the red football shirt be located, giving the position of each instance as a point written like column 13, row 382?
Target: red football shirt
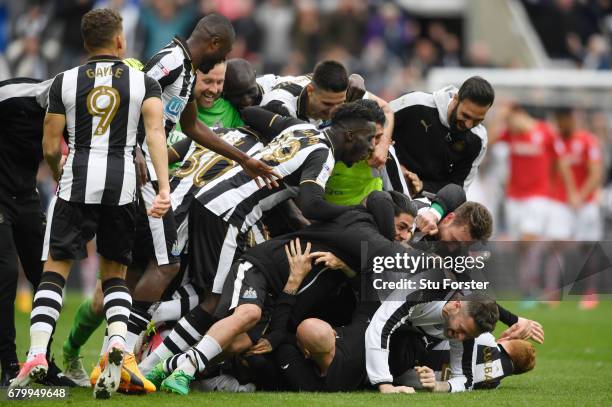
column 532, row 158
column 580, row 149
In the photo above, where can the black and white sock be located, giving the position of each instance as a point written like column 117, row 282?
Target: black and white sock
column 117, row 304
column 45, row 311
column 139, row 320
column 188, row 331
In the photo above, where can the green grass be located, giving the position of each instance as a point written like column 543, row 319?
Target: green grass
column 574, row 367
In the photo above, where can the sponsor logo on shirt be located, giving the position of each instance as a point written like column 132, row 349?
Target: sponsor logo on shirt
column 175, row 106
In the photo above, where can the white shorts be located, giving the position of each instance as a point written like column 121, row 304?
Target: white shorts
column 560, row 221
column 588, row 223
column 526, row 217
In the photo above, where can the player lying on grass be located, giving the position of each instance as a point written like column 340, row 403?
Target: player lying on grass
column 489, row 363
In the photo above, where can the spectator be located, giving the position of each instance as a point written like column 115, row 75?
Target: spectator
column 67, row 13
column 275, row 18
column 130, row 11
column 160, row 22
column 346, row 26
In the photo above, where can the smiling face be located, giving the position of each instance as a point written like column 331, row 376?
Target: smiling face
column 322, row 102
column 465, row 115
column 209, row 86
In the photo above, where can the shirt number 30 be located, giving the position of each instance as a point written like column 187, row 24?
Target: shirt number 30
column 103, row 102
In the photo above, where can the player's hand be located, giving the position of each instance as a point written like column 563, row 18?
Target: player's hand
column 141, row 167
column 300, row 263
column 427, row 377
column 378, row 158
column 262, row 346
column 161, row 204
column 415, row 185
column 524, row 329
column 328, row 259
column 57, row 172
column 356, row 88
column 260, row 171
column 427, row 223
column 389, row 388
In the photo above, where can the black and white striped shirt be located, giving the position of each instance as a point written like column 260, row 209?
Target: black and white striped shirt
column 102, row 102
column 172, row 67
column 299, row 154
column 201, row 166
column 422, row 317
column 473, row 364
column 292, row 96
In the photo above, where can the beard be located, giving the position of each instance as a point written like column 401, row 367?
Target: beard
column 452, row 120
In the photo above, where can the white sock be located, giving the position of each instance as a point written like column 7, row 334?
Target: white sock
column 188, row 367
column 38, row 343
column 116, row 335
column 130, row 341
column 160, row 353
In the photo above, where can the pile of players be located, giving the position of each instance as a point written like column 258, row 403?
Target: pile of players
column 248, row 264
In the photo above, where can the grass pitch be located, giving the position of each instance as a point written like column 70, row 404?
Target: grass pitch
column 574, row 368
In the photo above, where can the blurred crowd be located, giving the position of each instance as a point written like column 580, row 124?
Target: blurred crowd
column 574, row 30
column 376, row 38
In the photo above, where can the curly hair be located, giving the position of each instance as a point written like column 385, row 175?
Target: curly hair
column 98, row 27
column 362, row 109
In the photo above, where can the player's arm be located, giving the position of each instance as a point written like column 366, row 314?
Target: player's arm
column 53, row 130
column 311, row 199
column 178, row 150
column 381, row 149
column 557, row 149
column 267, row 123
column 377, row 349
column 152, row 115
column 52, row 141
column 460, row 380
column 595, row 173
column 300, row 264
column 202, row 135
column 449, row 198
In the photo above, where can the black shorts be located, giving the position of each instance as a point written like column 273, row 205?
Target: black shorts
column 244, row 284
column 156, row 237
column 213, row 247
column 70, row 225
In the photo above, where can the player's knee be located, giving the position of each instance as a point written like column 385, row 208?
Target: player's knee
column 248, row 314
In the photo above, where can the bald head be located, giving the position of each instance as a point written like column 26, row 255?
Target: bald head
column 316, row 337
column 240, row 85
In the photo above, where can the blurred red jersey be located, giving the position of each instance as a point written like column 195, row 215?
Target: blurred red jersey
column 580, row 149
column 532, row 158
